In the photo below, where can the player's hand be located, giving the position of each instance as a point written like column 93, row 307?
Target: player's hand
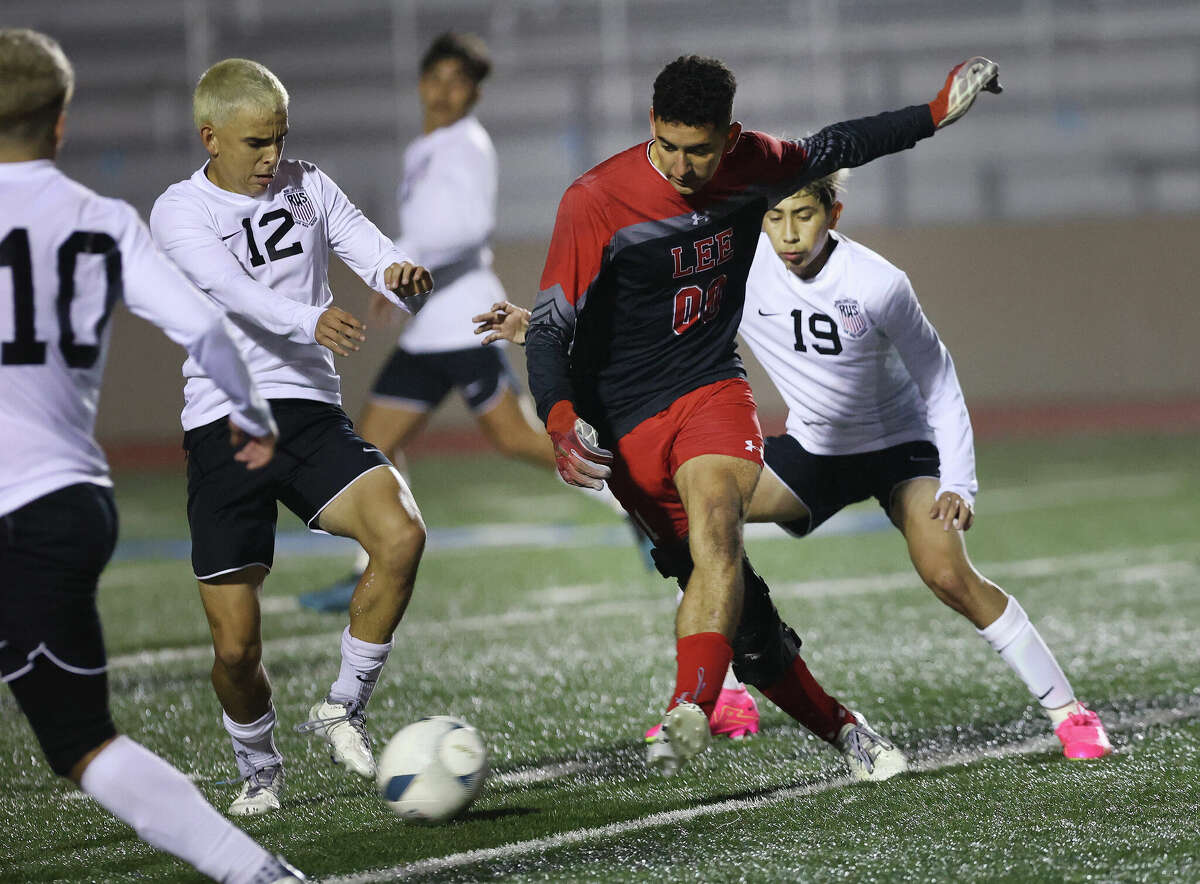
column 577, row 452
column 504, row 322
column 410, row 282
column 962, row 86
column 340, row 331
column 254, row 451
column 953, row 511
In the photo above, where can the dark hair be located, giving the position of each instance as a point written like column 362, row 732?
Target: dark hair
column 695, row 91
column 470, row 50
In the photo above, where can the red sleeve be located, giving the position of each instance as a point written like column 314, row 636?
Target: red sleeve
column 576, row 246
column 574, row 262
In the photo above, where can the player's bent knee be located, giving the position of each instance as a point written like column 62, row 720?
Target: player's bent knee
column 68, row 712
column 237, row 657
column 947, row 585
column 396, row 544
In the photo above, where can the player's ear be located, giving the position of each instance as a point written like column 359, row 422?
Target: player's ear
column 835, row 212
column 60, row 130
column 209, row 137
column 735, row 132
column 652, row 120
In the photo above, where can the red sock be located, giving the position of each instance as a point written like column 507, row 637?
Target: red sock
column 702, row 660
column 798, row 694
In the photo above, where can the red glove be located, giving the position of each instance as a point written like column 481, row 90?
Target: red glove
column 577, row 452
column 962, row 86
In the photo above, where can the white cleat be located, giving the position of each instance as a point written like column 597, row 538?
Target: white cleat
column 683, row 735
column 869, row 756
column 277, row 870
column 344, row 729
column 260, row 792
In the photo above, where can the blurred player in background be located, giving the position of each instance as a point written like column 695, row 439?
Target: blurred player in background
column 875, row 409
column 447, row 201
column 631, row 347
column 254, row 231
column 67, row 256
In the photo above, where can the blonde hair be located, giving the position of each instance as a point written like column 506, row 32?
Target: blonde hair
column 827, row 188
column 36, row 82
column 235, row 84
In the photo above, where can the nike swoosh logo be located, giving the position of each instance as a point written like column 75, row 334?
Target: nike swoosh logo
column 230, row 235
column 373, row 680
column 760, row 313
column 1047, row 694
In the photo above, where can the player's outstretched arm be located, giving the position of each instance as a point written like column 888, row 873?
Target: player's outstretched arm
column 852, row 143
column 504, row 322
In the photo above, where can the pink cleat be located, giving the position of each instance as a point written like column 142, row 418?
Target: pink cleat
column 1083, row 735
column 735, row 716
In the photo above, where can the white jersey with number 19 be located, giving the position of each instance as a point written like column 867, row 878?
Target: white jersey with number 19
column 265, row 260
column 67, row 256
column 857, row 362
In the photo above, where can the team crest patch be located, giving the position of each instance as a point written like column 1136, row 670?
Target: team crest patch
column 303, row 210
column 854, row 322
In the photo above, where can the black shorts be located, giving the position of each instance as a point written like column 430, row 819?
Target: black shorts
column 52, row 551
column 420, row 381
column 232, row 510
column 827, row 483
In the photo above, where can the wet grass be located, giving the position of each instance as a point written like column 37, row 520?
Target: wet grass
column 563, row 657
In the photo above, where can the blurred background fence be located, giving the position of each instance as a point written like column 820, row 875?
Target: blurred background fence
column 1097, row 135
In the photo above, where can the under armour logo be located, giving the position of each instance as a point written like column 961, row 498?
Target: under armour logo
column 699, row 218
column 750, row 446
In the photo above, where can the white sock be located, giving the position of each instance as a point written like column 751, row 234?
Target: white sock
column 360, row 561
column 168, row 812
column 253, row 743
column 361, row 664
column 1016, row 639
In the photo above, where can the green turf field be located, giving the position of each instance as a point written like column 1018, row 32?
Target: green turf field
column 562, row 655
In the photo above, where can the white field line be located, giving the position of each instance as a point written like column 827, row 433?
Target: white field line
column 1119, row 566
column 936, row 762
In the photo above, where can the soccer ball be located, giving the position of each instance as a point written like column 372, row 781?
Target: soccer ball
column 432, row 769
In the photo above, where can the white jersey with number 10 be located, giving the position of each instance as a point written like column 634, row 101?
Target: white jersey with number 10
column 67, row 256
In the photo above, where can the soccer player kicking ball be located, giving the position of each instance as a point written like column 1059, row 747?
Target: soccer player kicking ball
column 66, row 257
column 254, row 231
column 875, row 409
column 634, row 369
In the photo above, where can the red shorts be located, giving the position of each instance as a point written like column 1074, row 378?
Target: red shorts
column 718, row 418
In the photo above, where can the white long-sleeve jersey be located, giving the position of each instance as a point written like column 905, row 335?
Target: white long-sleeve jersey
column 67, row 256
column 447, row 201
column 860, row 366
column 265, row 260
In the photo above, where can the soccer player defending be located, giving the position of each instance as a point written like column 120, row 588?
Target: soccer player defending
column 66, row 257
column 875, row 410
column 254, row 231
column 631, row 348
column 447, row 201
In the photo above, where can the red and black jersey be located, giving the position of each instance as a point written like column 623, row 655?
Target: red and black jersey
column 643, row 288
